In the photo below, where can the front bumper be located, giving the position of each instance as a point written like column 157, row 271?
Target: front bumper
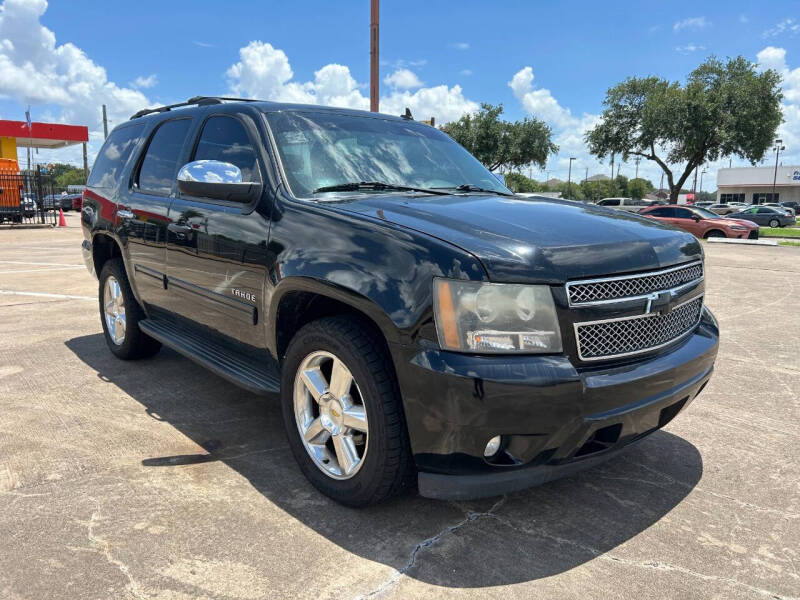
column 555, row 419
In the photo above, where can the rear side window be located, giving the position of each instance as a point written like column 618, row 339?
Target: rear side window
column 614, row 202
column 663, row 211
column 683, row 213
column 225, row 139
column 113, row 155
column 158, row 170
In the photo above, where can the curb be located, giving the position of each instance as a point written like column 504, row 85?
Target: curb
column 716, row 240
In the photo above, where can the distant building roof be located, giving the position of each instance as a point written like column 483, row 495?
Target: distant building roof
column 598, row 177
column 759, row 176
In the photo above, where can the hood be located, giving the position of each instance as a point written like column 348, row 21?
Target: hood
column 536, row 239
column 735, row 221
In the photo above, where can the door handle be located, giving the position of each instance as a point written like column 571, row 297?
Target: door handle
column 125, row 214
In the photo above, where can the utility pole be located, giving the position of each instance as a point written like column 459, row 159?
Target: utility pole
column 777, row 148
column 587, row 174
column 612, row 166
column 661, row 185
column 85, row 164
column 374, row 73
column 701, row 179
column 637, row 160
column 694, row 185
column 569, row 180
column 105, row 123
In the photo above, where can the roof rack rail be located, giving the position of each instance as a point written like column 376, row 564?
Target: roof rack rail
column 196, row 100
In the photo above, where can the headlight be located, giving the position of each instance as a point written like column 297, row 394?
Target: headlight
column 738, row 228
column 496, row 318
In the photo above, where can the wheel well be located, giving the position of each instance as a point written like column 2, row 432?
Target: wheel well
column 712, row 232
column 103, row 249
column 297, row 309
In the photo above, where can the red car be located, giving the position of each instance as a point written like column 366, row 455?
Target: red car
column 701, row 222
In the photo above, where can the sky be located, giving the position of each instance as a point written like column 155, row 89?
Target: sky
column 551, row 60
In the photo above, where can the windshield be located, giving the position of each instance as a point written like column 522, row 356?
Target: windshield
column 706, row 214
column 320, row 150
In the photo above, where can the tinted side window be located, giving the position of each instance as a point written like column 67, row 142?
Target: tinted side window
column 663, row 211
column 113, row 156
column 160, row 163
column 609, row 202
column 765, row 210
column 683, row 213
column 225, row 139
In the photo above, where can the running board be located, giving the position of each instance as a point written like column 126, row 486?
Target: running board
column 251, row 374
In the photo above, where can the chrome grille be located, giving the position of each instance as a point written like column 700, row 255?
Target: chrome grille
column 632, row 335
column 631, row 286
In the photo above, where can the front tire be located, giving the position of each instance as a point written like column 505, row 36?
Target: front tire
column 120, row 314
column 343, row 414
column 715, row 233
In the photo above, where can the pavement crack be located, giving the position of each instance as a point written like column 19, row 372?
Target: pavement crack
column 105, row 547
column 427, row 543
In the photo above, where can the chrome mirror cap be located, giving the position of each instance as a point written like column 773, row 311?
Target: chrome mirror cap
column 210, row 171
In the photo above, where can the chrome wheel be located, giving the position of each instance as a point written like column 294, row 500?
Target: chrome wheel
column 330, row 415
column 114, row 306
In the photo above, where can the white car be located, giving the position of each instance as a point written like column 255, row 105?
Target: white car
column 628, row 204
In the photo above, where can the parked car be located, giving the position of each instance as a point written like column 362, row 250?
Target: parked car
column 794, row 205
column 701, row 222
column 420, row 322
column 52, row 201
column 764, row 215
column 781, row 206
column 703, row 204
column 723, row 209
column 628, row 204
column 68, row 202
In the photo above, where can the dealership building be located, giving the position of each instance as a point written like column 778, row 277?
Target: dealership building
column 753, row 185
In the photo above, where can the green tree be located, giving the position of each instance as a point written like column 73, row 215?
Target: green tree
column 499, row 143
column 73, row 176
column 725, row 108
column 519, row 183
column 571, row 192
column 622, row 185
column 637, row 188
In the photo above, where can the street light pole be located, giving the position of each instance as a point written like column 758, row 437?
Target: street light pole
column 569, row 180
column 777, row 148
column 701, row 179
column 373, row 54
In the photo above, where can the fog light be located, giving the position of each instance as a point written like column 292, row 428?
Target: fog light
column 493, row 446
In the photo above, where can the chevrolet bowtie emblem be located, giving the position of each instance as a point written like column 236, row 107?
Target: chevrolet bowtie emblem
column 659, row 302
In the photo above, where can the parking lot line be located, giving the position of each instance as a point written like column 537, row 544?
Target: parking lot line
column 44, row 295
column 39, row 264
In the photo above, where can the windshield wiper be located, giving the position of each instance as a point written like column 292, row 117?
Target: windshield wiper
column 355, row 186
column 469, row 187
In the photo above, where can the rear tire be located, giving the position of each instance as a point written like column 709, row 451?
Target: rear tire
column 120, row 314
column 379, row 442
column 774, row 223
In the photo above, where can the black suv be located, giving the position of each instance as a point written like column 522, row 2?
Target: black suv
column 422, row 324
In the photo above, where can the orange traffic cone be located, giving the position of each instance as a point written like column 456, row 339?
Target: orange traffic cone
column 62, row 222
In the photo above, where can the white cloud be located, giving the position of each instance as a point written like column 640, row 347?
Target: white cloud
column 465, row 72
column 691, row 23
column 145, row 82
column 203, row 44
column 35, row 70
column 743, row 19
column 264, row 72
column 689, row 48
column 403, row 79
column 789, row 131
column 787, row 26
column 539, row 102
column 460, row 45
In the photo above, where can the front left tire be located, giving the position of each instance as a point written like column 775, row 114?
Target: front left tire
column 342, row 412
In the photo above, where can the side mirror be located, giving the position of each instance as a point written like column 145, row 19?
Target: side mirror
column 218, row 180
column 696, row 218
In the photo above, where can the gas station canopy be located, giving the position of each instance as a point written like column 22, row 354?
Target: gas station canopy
column 44, row 135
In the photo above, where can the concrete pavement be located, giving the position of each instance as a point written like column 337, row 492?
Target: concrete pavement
column 157, row 479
